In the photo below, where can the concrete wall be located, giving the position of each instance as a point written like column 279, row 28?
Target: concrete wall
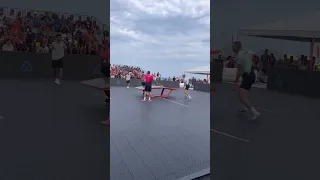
column 38, row 65
column 137, row 82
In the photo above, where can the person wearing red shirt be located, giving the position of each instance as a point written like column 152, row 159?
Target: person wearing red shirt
column 148, row 86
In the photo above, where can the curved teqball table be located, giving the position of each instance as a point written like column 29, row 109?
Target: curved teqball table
column 161, row 95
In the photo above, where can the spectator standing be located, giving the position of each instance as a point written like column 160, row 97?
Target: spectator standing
column 128, row 78
column 264, row 61
column 58, row 51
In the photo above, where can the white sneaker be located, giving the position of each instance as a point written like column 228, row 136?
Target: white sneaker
column 189, row 97
column 256, row 116
column 57, row 81
column 127, row 86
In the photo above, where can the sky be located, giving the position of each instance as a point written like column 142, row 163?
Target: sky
column 228, row 16
column 166, row 36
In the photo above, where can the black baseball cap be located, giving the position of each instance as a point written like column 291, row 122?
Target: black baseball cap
column 148, row 72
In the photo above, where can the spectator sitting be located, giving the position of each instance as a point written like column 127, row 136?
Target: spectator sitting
column 43, row 48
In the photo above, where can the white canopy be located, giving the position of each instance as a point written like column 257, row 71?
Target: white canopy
column 198, row 72
column 202, row 71
column 302, row 28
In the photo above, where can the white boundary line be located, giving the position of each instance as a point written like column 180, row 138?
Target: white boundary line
column 230, row 136
column 175, row 102
column 263, row 109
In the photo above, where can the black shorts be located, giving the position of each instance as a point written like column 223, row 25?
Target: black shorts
column 143, row 83
column 57, row 63
column 128, row 81
column 187, row 87
column 247, row 80
column 148, row 87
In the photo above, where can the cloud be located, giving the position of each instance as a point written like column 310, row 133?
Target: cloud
column 203, row 68
column 169, row 36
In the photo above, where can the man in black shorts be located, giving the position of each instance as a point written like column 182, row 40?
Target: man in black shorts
column 244, row 70
column 148, row 86
column 58, row 48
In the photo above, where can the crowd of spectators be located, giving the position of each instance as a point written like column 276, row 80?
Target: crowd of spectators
column 30, row 31
column 121, row 71
column 267, row 60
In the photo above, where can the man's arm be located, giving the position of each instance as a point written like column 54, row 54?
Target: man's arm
column 239, row 73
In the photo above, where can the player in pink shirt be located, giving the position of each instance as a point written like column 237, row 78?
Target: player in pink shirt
column 148, row 86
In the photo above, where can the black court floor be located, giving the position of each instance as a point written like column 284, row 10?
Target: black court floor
column 283, row 144
column 52, row 133
column 160, row 140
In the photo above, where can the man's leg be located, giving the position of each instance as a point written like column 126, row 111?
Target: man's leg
column 150, row 95
column 243, row 96
column 145, row 96
column 107, row 93
column 60, row 73
column 186, row 91
column 54, row 67
column 107, row 122
column 55, row 73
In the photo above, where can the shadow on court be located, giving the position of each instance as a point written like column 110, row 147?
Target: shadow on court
column 282, row 143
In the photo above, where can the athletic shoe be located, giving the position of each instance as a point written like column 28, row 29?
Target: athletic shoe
column 127, row 86
column 143, row 100
column 189, row 97
column 150, row 100
column 57, row 81
column 256, row 116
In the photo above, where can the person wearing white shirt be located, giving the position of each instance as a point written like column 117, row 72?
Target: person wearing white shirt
column 58, row 51
column 128, row 78
column 8, row 46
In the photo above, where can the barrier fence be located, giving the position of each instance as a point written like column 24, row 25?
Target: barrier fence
column 216, row 69
column 137, row 82
column 201, row 87
column 37, row 65
column 294, row 82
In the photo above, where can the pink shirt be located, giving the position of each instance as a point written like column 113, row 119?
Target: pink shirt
column 148, row 78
